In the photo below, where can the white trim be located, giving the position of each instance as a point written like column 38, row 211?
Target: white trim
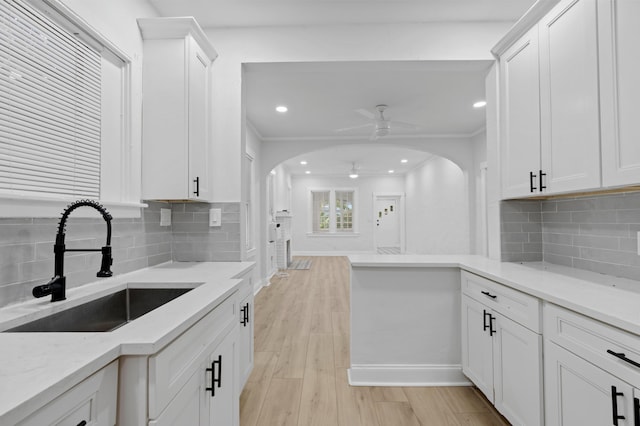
column 367, row 138
column 341, row 234
column 330, row 253
column 41, row 207
column 407, row 375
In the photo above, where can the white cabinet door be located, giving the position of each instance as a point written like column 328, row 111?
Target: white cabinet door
column 619, row 33
column 520, row 116
column 198, row 121
column 579, row 393
column 570, row 127
column 245, row 344
column 224, row 402
column 190, row 405
column 517, row 356
column 477, row 346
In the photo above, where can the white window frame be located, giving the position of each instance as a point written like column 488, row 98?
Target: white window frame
column 333, row 231
column 120, row 186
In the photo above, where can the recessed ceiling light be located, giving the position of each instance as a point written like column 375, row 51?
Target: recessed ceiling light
column 391, row 171
column 304, row 163
column 353, row 175
column 480, row 104
column 273, row 172
column 307, row 172
column 404, row 160
column 282, row 108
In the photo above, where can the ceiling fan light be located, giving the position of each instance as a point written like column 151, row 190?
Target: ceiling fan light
column 353, row 175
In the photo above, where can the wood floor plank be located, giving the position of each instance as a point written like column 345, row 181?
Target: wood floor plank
column 282, row 404
column 263, row 365
column 428, row 405
column 341, row 353
column 355, row 405
column 319, row 405
column 396, row 414
column 292, row 358
column 474, row 419
column 251, row 400
column 320, row 355
column 388, row 394
column 462, row 399
column 340, row 323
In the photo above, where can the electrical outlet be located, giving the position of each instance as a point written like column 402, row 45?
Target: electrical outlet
column 215, row 217
column 165, row 217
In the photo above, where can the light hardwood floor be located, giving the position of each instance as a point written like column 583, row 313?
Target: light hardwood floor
column 301, row 360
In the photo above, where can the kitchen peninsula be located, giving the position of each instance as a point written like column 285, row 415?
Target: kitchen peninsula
column 446, row 310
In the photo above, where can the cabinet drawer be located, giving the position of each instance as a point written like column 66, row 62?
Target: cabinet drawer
column 520, row 307
column 171, row 368
column 93, row 400
column 591, row 339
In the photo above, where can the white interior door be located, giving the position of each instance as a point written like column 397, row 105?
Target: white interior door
column 387, row 220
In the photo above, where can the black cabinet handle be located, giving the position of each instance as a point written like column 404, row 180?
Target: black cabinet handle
column 485, row 326
column 83, row 423
column 614, row 405
column 216, row 379
column 492, row 330
column 197, row 182
column 636, row 412
column 621, row 356
column 541, row 185
column 245, row 315
column 486, row 293
column 532, row 180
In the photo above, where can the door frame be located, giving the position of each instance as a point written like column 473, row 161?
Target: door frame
column 399, row 197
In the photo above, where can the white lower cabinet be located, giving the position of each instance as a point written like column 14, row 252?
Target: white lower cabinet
column 209, row 396
column 92, row 402
column 591, row 371
column 500, row 356
column 245, row 344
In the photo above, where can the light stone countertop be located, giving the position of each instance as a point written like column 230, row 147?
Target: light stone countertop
column 35, row 368
column 615, row 301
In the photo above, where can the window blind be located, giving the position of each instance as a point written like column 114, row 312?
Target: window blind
column 50, row 106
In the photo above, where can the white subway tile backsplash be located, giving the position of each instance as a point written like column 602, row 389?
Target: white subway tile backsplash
column 596, row 233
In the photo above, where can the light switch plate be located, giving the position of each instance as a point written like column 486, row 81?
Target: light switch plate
column 215, row 217
column 165, row 217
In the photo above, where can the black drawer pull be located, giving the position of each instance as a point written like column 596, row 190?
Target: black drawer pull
column 246, row 313
column 83, row 423
column 492, row 330
column 486, row 293
column 216, row 379
column 614, row 405
column 485, row 326
column 532, row 179
column 541, row 185
column 636, row 412
column 197, row 182
column 243, row 321
column 621, row 356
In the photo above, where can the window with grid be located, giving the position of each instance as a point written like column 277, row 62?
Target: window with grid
column 321, row 211
column 344, row 211
column 50, row 86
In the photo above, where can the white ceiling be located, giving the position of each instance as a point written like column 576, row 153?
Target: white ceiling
column 323, row 97
column 234, row 13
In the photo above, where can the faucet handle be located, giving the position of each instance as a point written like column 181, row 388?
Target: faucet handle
column 107, row 261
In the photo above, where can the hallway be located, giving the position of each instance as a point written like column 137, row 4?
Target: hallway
column 302, row 357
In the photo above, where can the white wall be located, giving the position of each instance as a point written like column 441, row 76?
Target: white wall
column 477, row 211
column 282, row 189
column 437, row 209
column 435, row 41
column 304, row 244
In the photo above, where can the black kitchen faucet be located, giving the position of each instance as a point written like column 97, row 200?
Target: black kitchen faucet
column 56, row 287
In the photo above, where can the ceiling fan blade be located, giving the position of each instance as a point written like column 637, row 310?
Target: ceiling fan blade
column 403, row 125
column 366, row 113
column 346, row 129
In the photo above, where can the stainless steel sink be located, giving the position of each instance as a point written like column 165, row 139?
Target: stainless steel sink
column 106, row 313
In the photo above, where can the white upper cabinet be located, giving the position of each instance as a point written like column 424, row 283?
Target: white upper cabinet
column 176, row 105
column 570, row 130
column 580, row 132
column 520, row 118
column 619, row 91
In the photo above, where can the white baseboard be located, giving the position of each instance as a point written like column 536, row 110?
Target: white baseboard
column 407, row 375
column 331, row 253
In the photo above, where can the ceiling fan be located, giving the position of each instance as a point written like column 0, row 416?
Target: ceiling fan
column 381, row 125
